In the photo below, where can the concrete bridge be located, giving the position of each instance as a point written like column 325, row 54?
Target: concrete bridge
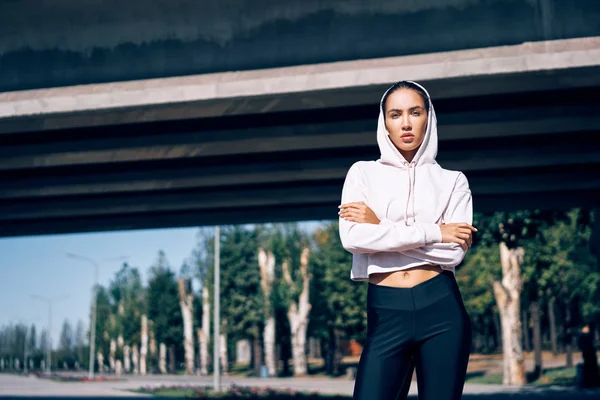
column 188, row 113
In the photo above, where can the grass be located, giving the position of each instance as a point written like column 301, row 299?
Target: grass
column 484, row 379
column 557, row 376
column 560, row 376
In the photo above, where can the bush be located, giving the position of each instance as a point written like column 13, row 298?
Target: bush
column 236, row 392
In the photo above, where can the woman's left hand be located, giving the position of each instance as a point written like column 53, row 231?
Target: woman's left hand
column 358, row 212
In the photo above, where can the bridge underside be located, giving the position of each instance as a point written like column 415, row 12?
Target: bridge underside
column 527, row 139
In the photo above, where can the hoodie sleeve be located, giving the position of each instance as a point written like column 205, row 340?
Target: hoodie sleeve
column 460, row 209
column 363, row 238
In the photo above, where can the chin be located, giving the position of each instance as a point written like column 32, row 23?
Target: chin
column 403, row 147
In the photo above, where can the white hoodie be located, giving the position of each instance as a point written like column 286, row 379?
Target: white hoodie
column 411, row 200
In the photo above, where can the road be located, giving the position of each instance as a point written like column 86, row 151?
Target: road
column 33, row 387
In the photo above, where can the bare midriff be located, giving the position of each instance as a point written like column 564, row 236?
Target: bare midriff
column 406, row 278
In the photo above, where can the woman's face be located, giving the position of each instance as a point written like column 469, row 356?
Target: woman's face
column 406, row 121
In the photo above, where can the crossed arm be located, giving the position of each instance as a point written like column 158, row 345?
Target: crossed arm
column 362, row 232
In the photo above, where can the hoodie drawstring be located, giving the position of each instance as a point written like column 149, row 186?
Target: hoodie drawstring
column 411, row 193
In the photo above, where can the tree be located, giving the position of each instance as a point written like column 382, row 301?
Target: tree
column 44, row 344
column 339, row 304
column 103, row 325
column 570, row 276
column 266, row 261
column 164, row 309
column 79, row 342
column 32, row 345
column 203, row 258
column 186, row 302
column 128, row 306
column 65, row 345
column 475, row 277
column 127, row 294
column 241, row 295
column 512, row 232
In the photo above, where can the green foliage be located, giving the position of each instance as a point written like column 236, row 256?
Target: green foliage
column 163, row 305
column 557, row 261
column 570, row 269
column 128, row 303
column 286, row 241
column 337, row 302
column 103, row 320
column 66, row 344
column 241, row 295
column 475, row 276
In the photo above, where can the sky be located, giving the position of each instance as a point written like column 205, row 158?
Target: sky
column 39, row 265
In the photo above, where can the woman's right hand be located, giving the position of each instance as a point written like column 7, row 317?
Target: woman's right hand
column 461, row 233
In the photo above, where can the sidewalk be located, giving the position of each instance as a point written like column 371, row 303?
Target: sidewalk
column 14, row 385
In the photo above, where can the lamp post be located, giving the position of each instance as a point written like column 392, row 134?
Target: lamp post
column 49, row 301
column 217, row 311
column 94, row 305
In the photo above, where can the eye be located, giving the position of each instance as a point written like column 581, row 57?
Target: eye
column 416, row 113
column 395, row 115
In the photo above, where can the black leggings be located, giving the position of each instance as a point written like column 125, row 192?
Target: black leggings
column 426, row 327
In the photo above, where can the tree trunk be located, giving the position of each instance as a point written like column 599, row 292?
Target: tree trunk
column 498, row 330
column 111, row 358
column 151, row 361
column 298, row 314
column 552, row 318
column 269, row 344
column 223, row 354
column 100, row 358
column 118, row 368
column 199, row 356
column 526, row 342
column 567, row 335
column 337, row 352
column 507, row 294
column 257, row 352
column 186, row 302
column 204, row 359
column 172, row 367
column 135, row 359
column 284, row 355
column 537, row 338
column 144, row 347
column 266, row 262
column 162, row 362
column 126, row 359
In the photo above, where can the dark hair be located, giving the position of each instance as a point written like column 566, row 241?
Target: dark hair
column 405, row 85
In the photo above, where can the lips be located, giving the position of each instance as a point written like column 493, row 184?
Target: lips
column 407, row 135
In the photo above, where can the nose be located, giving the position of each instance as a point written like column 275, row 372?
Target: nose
column 406, row 126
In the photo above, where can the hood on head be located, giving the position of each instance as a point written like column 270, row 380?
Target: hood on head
column 428, row 150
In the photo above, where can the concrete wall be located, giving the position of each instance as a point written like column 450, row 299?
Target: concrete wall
column 68, row 42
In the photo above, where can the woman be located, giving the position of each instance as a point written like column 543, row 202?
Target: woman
column 407, row 222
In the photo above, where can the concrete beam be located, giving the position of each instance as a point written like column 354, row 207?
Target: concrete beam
column 519, row 182
column 150, row 178
column 296, row 212
column 298, row 137
column 301, row 87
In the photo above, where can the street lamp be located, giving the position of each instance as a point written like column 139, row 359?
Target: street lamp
column 49, row 301
column 94, row 304
column 217, row 312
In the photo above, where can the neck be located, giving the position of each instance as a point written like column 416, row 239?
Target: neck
column 409, row 155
